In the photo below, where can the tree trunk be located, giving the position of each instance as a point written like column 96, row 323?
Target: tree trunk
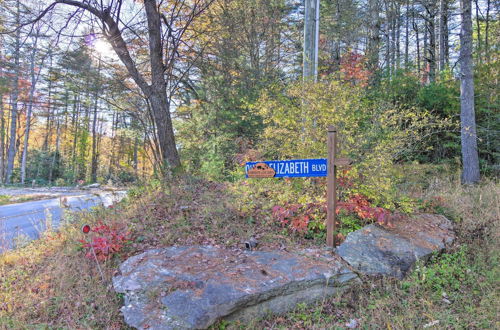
column 48, row 129
column 95, row 155
column 393, row 37
column 15, row 93
column 34, row 79
column 74, row 122
column 114, row 122
column 443, row 28
column 397, row 25
column 432, row 48
column 425, row 61
column 157, row 93
column 478, row 27
column 487, row 32
column 407, row 34
column 161, row 113
column 387, row 39
column 470, row 159
column 373, row 46
column 2, row 130
column 2, row 141
column 417, row 41
column 56, row 152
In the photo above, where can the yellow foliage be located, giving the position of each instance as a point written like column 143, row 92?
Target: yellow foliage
column 373, row 135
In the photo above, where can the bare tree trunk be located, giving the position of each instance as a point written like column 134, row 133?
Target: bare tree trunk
column 95, row 155
column 387, row 39
column 56, row 152
column 417, row 41
column 113, row 137
column 392, row 25
column 34, row 79
column 478, row 27
column 487, row 33
column 48, row 128
column 159, row 103
column 432, row 48
column 15, row 93
column 373, row 47
column 443, row 28
column 470, row 158
column 2, row 141
column 397, row 27
column 2, row 130
column 74, row 121
column 425, row 52
column 135, row 159
column 407, row 33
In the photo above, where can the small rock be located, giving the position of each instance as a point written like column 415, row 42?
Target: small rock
column 251, row 244
column 430, row 324
column 352, row 324
column 446, row 301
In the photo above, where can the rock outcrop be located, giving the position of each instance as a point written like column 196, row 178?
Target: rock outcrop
column 192, row 287
column 376, row 250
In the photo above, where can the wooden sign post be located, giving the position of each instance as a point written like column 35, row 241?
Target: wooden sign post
column 331, row 187
column 308, row 168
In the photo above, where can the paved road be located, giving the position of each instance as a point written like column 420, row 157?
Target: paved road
column 30, row 218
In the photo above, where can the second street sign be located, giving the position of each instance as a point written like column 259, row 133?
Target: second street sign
column 287, row 168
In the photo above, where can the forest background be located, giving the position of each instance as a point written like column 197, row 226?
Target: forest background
column 388, row 77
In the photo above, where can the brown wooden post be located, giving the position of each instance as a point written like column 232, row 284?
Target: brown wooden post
column 331, row 186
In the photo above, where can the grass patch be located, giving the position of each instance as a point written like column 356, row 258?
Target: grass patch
column 7, row 199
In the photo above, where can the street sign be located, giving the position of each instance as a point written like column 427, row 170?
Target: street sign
column 290, row 168
column 319, row 167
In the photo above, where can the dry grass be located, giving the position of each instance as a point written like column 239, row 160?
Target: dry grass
column 51, row 284
column 7, row 199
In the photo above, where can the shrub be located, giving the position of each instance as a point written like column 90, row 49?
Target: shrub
column 106, row 241
column 374, row 136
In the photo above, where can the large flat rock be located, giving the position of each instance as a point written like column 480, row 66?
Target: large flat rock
column 376, row 250
column 192, row 287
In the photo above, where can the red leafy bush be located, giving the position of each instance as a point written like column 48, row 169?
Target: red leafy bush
column 359, row 205
column 106, row 241
column 298, row 216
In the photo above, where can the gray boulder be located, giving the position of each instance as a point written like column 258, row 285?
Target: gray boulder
column 192, row 287
column 376, row 250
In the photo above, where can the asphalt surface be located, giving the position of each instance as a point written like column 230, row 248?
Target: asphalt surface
column 26, row 221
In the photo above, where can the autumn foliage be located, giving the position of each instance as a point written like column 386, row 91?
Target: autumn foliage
column 106, row 241
column 298, row 216
column 353, row 69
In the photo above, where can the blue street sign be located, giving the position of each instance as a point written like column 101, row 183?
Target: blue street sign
column 294, row 168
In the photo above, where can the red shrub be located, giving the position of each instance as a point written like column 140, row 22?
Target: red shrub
column 298, row 216
column 106, row 241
